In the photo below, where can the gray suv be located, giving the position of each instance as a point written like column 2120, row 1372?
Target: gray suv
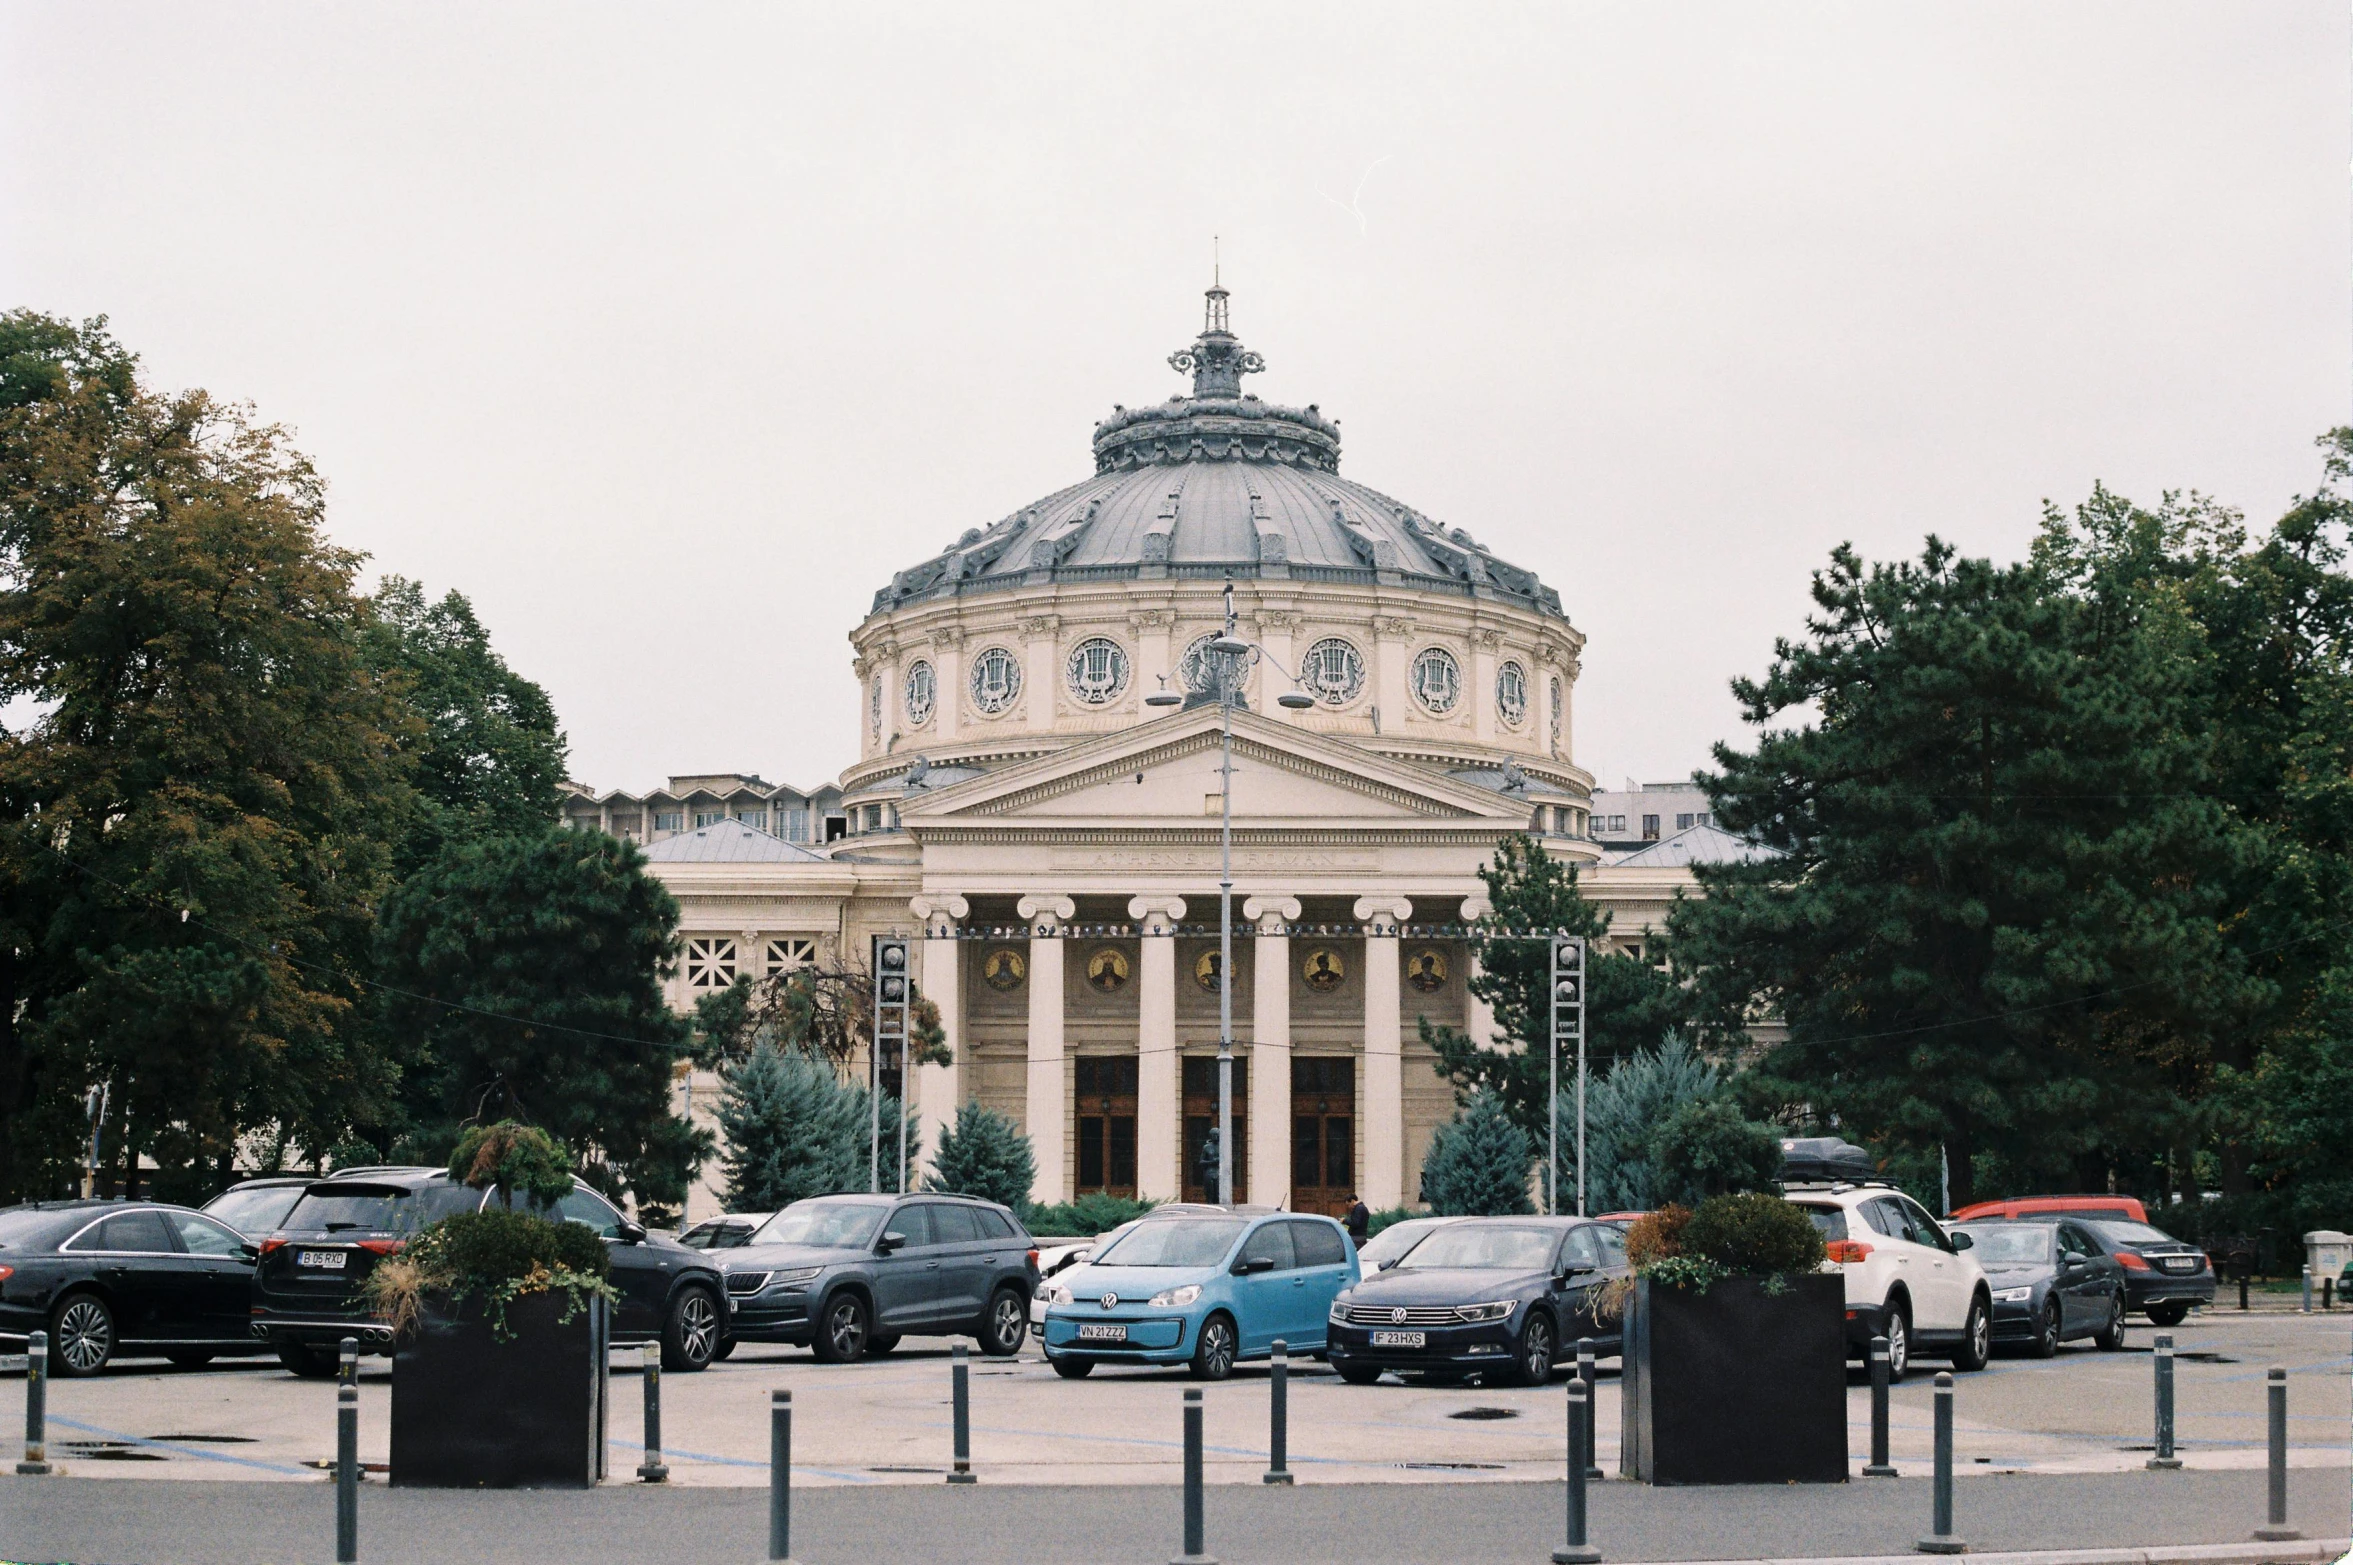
column 849, row 1275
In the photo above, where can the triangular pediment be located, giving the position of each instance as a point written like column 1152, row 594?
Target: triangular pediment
column 1165, row 773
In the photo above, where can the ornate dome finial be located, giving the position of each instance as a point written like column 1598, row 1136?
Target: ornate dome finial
column 1217, row 360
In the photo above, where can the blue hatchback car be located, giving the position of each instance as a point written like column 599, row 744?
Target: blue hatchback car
column 1201, row 1290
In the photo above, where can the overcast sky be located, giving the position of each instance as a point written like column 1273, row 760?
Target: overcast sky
column 668, row 334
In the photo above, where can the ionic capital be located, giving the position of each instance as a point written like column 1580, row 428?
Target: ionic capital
column 1476, row 907
column 1046, row 913
column 939, row 913
column 1158, row 915
column 947, row 637
column 1272, row 915
column 1384, row 914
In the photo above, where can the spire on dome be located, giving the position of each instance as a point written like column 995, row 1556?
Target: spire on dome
column 1217, row 360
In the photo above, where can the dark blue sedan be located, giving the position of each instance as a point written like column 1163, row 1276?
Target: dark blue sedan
column 2051, row 1283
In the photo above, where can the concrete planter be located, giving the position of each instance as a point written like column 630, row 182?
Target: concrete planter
column 1736, row 1385
column 472, row 1412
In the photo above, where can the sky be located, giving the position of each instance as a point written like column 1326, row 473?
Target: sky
column 667, row 334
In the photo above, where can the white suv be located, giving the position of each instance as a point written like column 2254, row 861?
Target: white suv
column 1906, row 1278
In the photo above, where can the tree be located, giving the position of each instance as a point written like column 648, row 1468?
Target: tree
column 1630, row 1005
column 1707, row 1148
column 824, row 1009
column 195, row 822
column 1478, row 1163
column 1623, row 1113
column 984, row 1154
column 530, row 969
column 788, row 1131
column 489, row 756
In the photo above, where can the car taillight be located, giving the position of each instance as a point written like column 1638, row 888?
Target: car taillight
column 2131, row 1262
column 272, row 1246
column 1033, row 1260
column 382, row 1246
column 1845, row 1251
column 7, row 1272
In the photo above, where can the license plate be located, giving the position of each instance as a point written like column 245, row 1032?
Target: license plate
column 2180, row 1263
column 1401, row 1339
column 1096, row 1332
column 324, row 1260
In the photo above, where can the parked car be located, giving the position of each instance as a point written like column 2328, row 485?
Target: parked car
column 1203, row 1290
column 306, row 1288
column 729, row 1232
column 2051, row 1284
column 2163, row 1276
column 1054, row 1260
column 850, row 1275
column 1499, row 1297
column 2041, row 1206
column 1906, row 1278
column 1386, row 1248
column 257, row 1206
column 105, row 1278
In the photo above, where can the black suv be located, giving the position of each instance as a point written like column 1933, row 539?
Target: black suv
column 306, row 1288
column 850, row 1275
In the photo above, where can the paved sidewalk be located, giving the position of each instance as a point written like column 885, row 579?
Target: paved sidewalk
column 206, row 1523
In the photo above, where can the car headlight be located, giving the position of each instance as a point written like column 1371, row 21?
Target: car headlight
column 1484, row 1311
column 1054, row 1293
column 1339, row 1313
column 1176, row 1298
column 798, row 1274
column 2013, row 1295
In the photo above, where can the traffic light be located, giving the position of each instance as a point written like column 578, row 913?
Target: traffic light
column 891, row 995
column 1568, row 988
column 1568, row 1031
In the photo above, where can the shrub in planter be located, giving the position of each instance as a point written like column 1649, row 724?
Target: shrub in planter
column 1735, row 1347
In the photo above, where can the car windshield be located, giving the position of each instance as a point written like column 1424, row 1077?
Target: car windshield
column 377, row 1208
column 254, row 1211
column 1486, row 1249
column 717, row 1235
column 826, row 1225
column 1393, row 1241
column 1177, row 1241
column 2124, row 1232
column 2009, row 1244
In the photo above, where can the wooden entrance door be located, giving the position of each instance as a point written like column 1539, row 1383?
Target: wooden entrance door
column 1106, row 1107
column 1201, row 1118
column 1323, row 1134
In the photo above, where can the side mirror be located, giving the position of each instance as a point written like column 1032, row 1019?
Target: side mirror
column 1079, row 1259
column 2072, row 1258
column 250, row 1251
column 1962, row 1242
column 632, row 1233
column 891, row 1241
column 1254, row 1263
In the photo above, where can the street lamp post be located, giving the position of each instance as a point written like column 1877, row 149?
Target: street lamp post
column 1230, row 657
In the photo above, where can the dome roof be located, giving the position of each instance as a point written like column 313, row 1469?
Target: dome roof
column 1211, row 485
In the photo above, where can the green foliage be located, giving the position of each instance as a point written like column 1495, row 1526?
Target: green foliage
column 1091, row 1214
column 795, row 1129
column 1753, row 1235
column 1478, row 1163
column 1624, row 1111
column 1705, row 1148
column 531, row 969
column 501, row 1256
column 1630, row 1005
column 508, row 1158
column 984, row 1154
column 823, row 1011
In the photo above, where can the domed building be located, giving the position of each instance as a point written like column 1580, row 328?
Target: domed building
column 1038, row 798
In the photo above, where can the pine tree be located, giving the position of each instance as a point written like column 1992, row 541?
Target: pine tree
column 1706, row 1148
column 1624, row 1112
column 788, row 1132
column 985, row 1154
column 1478, row 1163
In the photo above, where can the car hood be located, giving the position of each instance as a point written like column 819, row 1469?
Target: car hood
column 1444, row 1285
column 768, row 1257
column 1088, row 1284
column 2017, row 1276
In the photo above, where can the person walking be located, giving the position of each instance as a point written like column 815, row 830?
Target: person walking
column 1359, row 1221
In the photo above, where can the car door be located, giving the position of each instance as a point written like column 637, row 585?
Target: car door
column 962, row 1281
column 134, row 1257
column 2084, row 1286
column 1320, row 1254
column 1906, row 1260
column 1577, row 1270
column 1263, row 1299
column 1948, row 1283
column 222, row 1263
column 906, row 1278
column 639, row 1276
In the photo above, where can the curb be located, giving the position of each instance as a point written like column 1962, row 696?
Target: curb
column 2313, row 1551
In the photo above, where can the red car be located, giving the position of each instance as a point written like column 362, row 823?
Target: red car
column 2121, row 1206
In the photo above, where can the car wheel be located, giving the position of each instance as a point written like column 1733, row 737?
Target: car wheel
column 690, row 1336
column 876, row 1347
column 1898, row 1332
column 2168, row 1314
column 2046, row 1332
column 81, row 1335
column 189, row 1360
column 725, row 1350
column 1073, row 1369
column 841, row 1332
column 1977, row 1337
column 1006, row 1326
column 2111, row 1336
column 1359, row 1374
column 308, row 1362
column 1213, row 1357
column 1532, row 1365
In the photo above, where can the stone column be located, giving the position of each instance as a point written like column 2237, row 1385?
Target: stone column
column 1151, row 629
column 1278, row 631
column 1159, row 1154
column 1040, row 679
column 1048, row 1096
column 939, row 1089
column 1392, row 652
column 1270, row 1048
column 1484, row 645
column 1477, row 1015
column 947, row 697
column 1384, row 1061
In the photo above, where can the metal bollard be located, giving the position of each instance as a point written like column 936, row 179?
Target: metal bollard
column 347, row 1362
column 2242, row 1288
column 960, row 1376
column 2164, row 1460
column 780, row 1475
column 653, row 1469
column 1196, row 1549
column 2306, row 1307
column 2328, row 1292
column 1879, row 1466
column 2276, row 1529
column 1278, row 1438
column 1940, row 1539
column 347, row 1467
column 36, row 1457
column 1576, row 1550
column 1592, row 1405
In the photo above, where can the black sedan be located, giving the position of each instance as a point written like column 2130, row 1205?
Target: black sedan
column 104, row 1278
column 2051, row 1284
column 2163, row 1276
column 1504, row 1298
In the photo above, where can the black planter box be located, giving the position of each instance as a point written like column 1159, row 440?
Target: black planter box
column 470, row 1411
column 1735, row 1385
